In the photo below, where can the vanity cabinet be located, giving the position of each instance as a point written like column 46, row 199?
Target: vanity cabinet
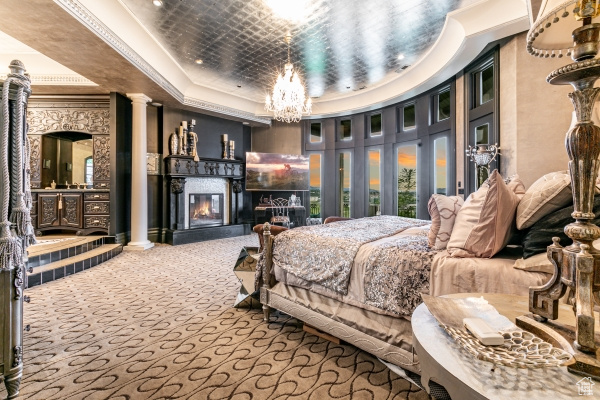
column 81, row 211
column 60, row 210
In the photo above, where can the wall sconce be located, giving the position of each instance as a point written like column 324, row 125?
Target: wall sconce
column 482, row 155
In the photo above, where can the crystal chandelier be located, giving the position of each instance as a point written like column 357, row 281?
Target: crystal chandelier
column 288, row 102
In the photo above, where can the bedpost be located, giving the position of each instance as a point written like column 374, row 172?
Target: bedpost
column 268, row 256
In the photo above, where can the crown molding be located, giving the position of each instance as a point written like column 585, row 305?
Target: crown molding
column 57, row 80
column 85, row 17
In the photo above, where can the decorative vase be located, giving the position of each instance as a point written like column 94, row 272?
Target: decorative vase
column 174, row 144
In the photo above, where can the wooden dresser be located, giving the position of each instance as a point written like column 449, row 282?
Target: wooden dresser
column 84, row 211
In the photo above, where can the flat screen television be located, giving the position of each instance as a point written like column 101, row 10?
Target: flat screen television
column 270, row 171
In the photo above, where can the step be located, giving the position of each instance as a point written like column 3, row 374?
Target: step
column 64, row 247
column 73, row 264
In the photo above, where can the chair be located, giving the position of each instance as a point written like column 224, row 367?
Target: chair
column 329, row 220
column 280, row 212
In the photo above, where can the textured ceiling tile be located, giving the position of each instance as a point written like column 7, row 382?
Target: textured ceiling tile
column 340, row 45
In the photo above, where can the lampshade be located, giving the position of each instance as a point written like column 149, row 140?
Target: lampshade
column 552, row 32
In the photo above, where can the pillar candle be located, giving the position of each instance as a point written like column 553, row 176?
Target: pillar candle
column 231, row 144
column 224, row 136
column 184, row 124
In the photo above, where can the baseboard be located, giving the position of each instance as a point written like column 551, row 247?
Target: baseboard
column 155, row 235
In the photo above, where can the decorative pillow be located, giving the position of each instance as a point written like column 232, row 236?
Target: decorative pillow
column 483, row 224
column 515, row 184
column 540, row 235
column 549, row 193
column 537, row 263
column 443, row 211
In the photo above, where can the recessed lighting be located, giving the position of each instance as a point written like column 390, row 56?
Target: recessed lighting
column 347, row 87
column 400, row 56
column 239, row 86
column 199, row 61
column 157, row 3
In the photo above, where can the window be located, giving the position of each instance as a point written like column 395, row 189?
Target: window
column 315, row 185
column 483, row 84
column 375, row 125
column 374, row 187
column 440, row 179
column 482, row 134
column 315, row 132
column 344, row 179
column 483, row 108
column 443, row 105
column 409, row 120
column 89, row 170
column 407, row 180
column 345, row 129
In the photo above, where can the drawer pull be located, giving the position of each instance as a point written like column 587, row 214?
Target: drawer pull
column 103, row 185
column 96, row 207
column 96, row 221
column 96, row 196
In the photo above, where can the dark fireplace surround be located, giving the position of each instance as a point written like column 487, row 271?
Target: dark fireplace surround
column 203, row 226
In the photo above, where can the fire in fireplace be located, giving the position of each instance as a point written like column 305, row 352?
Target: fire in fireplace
column 206, row 209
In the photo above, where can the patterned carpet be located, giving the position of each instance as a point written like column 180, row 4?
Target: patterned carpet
column 159, row 325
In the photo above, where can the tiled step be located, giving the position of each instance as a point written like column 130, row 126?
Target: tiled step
column 43, row 254
column 74, row 257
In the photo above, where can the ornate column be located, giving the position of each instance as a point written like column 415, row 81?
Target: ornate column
column 139, row 177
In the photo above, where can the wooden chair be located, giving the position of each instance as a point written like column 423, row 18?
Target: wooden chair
column 280, row 212
column 335, row 219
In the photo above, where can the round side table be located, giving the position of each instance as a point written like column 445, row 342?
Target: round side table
column 465, row 377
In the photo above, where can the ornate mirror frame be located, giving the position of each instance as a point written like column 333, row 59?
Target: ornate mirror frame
column 90, row 115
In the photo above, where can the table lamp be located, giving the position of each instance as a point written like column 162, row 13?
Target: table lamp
column 571, row 28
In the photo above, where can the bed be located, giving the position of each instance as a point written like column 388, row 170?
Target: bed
column 360, row 280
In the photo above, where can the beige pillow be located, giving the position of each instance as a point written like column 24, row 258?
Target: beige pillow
column 482, row 226
column 515, row 184
column 443, row 211
column 549, row 193
column 540, row 262
column 537, row 263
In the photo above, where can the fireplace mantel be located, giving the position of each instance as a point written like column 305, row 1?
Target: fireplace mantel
column 186, row 167
column 180, row 168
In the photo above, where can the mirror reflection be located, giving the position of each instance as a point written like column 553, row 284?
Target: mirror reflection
column 67, row 160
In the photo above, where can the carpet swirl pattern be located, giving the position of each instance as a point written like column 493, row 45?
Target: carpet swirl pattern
column 159, row 324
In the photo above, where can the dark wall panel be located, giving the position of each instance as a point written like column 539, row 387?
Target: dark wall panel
column 120, row 166
column 155, row 182
column 209, row 130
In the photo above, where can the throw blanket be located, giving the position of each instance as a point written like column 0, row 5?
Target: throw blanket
column 397, row 272
column 324, row 254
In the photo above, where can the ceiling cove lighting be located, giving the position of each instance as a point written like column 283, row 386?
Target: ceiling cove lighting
column 157, row 3
column 288, row 100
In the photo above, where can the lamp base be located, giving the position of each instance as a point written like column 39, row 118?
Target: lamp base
column 562, row 336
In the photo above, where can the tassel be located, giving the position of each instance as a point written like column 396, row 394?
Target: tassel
column 19, row 216
column 10, row 249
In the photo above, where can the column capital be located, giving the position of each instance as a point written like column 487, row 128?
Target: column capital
column 139, row 98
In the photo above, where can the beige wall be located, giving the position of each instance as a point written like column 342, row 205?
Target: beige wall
column 280, row 137
column 534, row 115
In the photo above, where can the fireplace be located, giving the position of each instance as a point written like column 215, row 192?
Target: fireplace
column 206, row 209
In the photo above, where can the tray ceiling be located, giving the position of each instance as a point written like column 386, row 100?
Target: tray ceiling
column 339, row 46
column 346, row 50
